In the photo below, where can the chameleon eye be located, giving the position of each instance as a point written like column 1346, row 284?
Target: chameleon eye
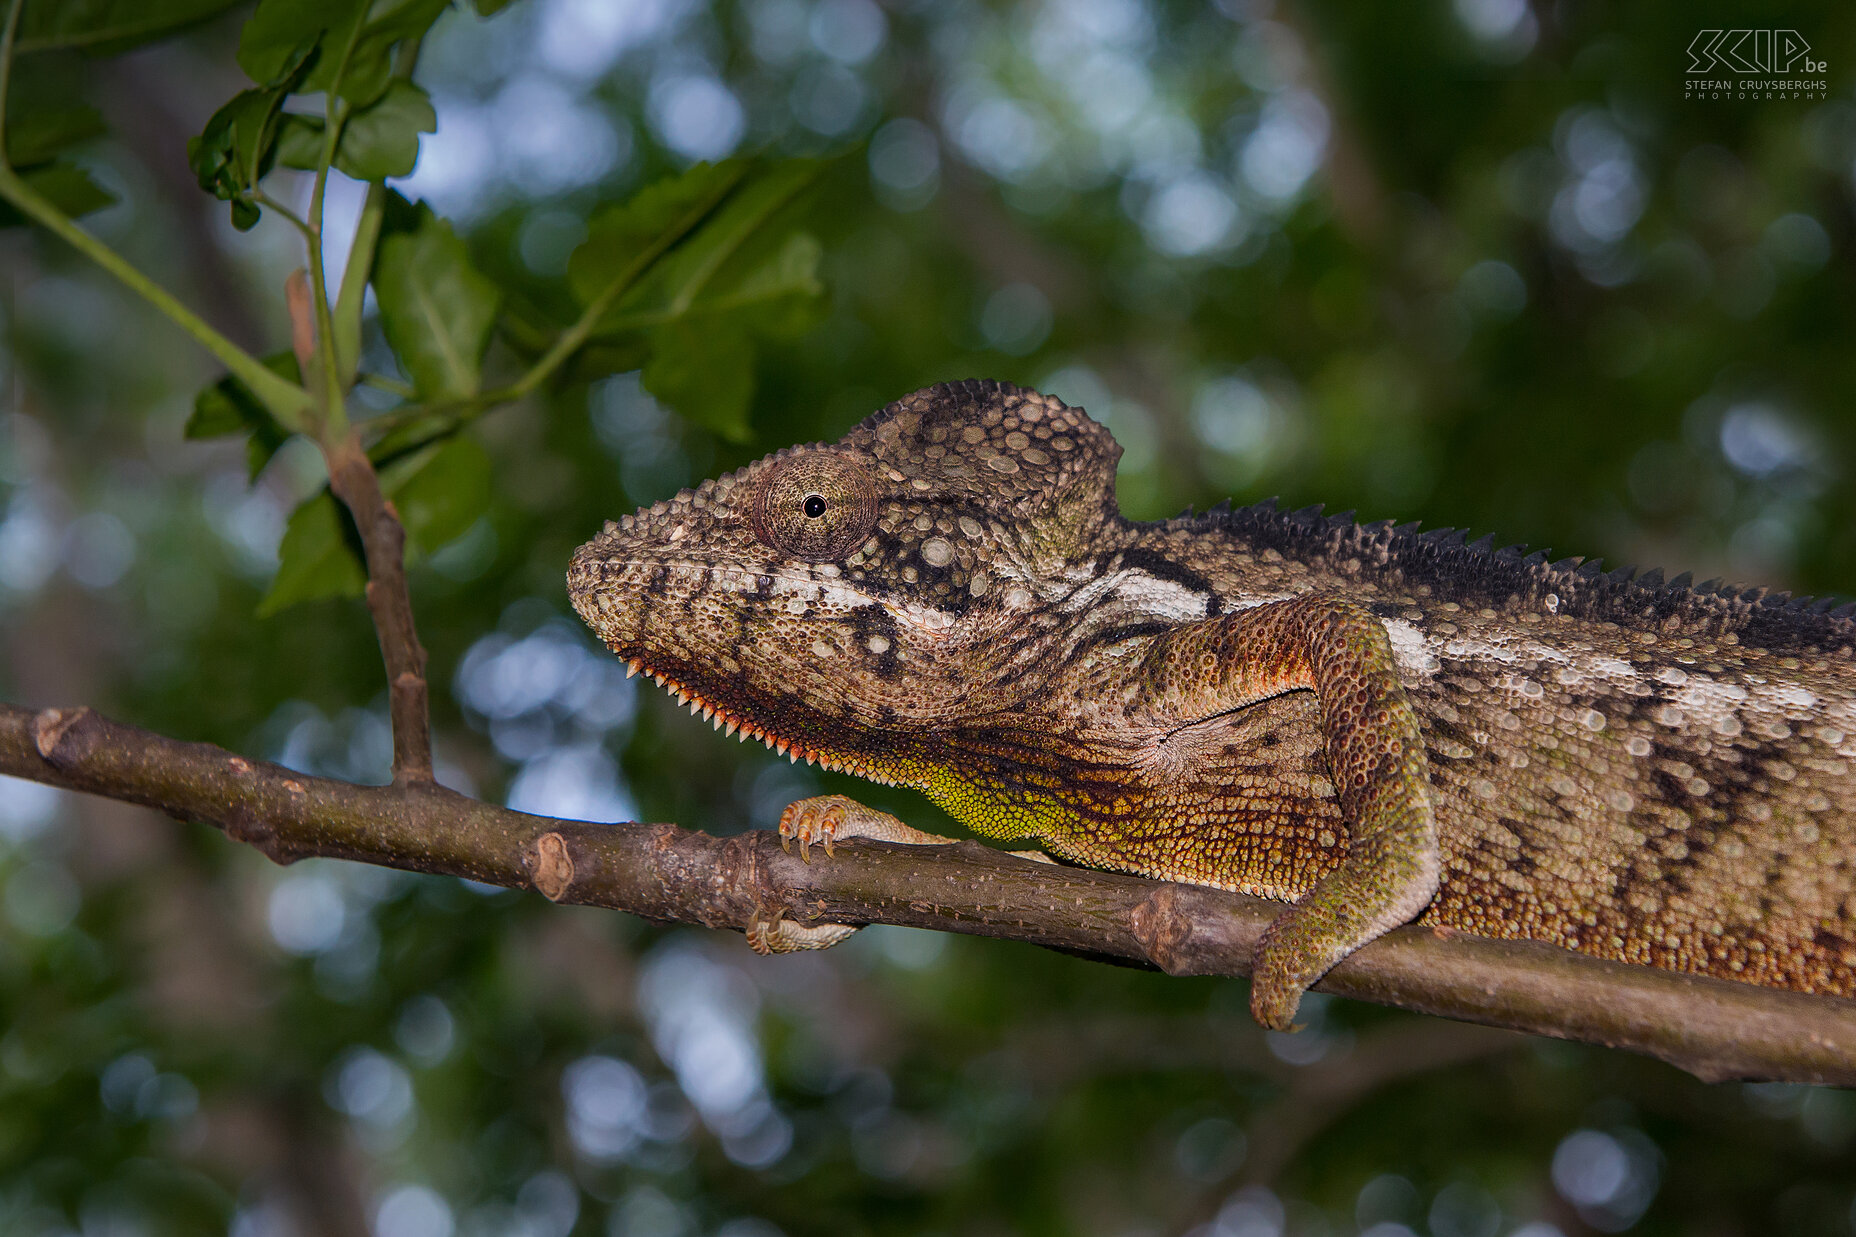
column 815, row 505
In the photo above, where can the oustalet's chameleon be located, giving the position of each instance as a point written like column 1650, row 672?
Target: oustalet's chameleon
column 1373, row 723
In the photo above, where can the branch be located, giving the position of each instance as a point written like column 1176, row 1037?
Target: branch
column 1712, row 1028
column 383, row 538
column 383, row 542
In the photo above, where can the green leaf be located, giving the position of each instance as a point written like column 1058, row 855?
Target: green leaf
column 36, row 135
column 315, row 559
column 283, row 28
column 382, row 140
column 370, row 68
column 707, row 268
column 379, row 141
column 281, row 32
column 228, row 407
column 704, row 372
column 299, row 141
column 442, row 497
column 666, row 210
column 234, row 151
column 733, row 263
column 439, row 491
column 775, row 293
column 39, row 127
column 239, row 144
column 435, row 307
column 65, row 186
column 107, row 26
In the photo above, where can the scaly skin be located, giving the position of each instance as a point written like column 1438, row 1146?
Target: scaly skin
column 1372, row 723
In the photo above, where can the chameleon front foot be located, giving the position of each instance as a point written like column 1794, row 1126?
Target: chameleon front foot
column 827, row 818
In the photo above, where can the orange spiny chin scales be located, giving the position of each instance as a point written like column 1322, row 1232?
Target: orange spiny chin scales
column 1374, row 723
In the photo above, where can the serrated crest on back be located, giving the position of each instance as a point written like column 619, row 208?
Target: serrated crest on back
column 1475, row 573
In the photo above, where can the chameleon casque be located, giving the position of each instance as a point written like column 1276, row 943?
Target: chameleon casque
column 1372, row 723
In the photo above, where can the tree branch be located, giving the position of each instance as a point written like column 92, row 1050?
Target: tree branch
column 1713, row 1028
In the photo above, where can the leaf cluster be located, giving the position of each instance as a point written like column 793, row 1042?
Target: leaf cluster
column 681, row 281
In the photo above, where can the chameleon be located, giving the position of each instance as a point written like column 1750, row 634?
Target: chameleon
column 1371, row 723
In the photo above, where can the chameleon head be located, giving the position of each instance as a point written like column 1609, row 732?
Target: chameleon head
column 833, row 598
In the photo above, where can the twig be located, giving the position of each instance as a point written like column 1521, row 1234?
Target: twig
column 383, row 541
column 302, row 324
column 1713, row 1028
column 354, row 481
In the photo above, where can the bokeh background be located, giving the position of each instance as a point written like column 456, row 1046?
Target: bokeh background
column 1473, row 262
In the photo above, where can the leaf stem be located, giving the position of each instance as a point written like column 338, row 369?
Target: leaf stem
column 346, row 329
column 272, row 204
column 346, row 320
column 334, row 410
column 392, row 386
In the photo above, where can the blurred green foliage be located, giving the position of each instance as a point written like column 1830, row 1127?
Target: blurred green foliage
column 1482, row 263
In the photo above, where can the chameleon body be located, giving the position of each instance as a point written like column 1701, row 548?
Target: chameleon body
column 1372, row 723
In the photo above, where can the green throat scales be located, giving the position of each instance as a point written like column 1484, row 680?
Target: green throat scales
column 1373, row 723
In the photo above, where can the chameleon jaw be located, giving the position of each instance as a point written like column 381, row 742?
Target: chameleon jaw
column 721, row 718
